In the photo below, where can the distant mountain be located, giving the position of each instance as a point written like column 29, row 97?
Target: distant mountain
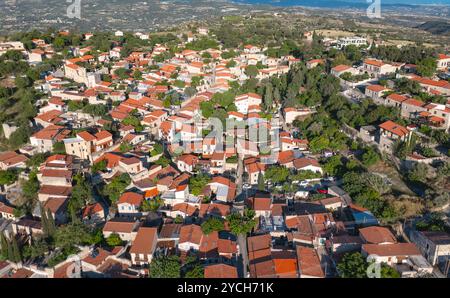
column 435, row 27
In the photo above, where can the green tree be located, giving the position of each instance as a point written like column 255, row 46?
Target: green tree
column 152, row 204
column 333, row 165
column 3, row 246
column 242, row 224
column 122, row 73
column 114, row 240
column 212, row 224
column 198, row 182
column 418, row 173
column 163, row 161
column 427, row 67
column 44, row 221
column 117, row 186
column 261, row 183
column 8, row 177
column 252, row 71
column 157, row 149
column 99, row 167
column 30, row 187
column 51, row 223
column 370, row 157
column 389, row 272
column 68, row 236
column 276, row 174
column 17, row 255
column 82, row 193
column 20, row 136
column 165, row 267
column 36, row 160
column 352, row 265
column 195, row 271
column 125, row 147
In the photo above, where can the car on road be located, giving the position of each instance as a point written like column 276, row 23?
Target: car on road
column 303, row 183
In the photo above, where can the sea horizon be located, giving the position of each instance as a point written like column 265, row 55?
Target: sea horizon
column 344, row 3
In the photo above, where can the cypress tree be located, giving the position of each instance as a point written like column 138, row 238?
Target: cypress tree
column 10, row 252
column 261, row 185
column 16, row 251
column 44, row 221
column 4, row 245
column 51, row 223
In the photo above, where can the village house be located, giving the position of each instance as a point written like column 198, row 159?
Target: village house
column 93, row 214
column 379, row 68
column 375, row 92
column 129, row 204
column 307, row 164
column 394, row 100
column 6, row 211
column 391, row 132
column 411, row 108
column 84, row 145
column 125, row 228
column 243, row 102
column 143, row 246
column 443, row 62
column 338, row 70
column 44, row 139
column 53, row 191
column 12, row 160
column 434, row 245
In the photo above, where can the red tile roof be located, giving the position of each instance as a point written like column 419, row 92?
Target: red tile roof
column 394, row 128
column 220, row 271
column 397, row 249
column 340, row 68
column 131, row 198
column 377, row 235
column 145, row 241
column 309, row 262
column 376, row 88
column 86, row 136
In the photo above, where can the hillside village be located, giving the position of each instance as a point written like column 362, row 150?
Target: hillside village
column 110, row 168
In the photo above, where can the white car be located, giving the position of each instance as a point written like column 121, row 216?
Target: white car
column 304, row 183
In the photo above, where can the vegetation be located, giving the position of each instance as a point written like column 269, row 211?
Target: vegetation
column 116, row 187
column 353, row 265
column 8, row 177
column 114, row 240
column 165, row 267
column 197, row 183
column 242, row 224
column 212, row 224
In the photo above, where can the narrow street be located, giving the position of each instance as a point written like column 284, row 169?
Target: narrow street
column 241, row 239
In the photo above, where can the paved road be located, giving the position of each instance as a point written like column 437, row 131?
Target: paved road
column 242, row 242
column 241, row 239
